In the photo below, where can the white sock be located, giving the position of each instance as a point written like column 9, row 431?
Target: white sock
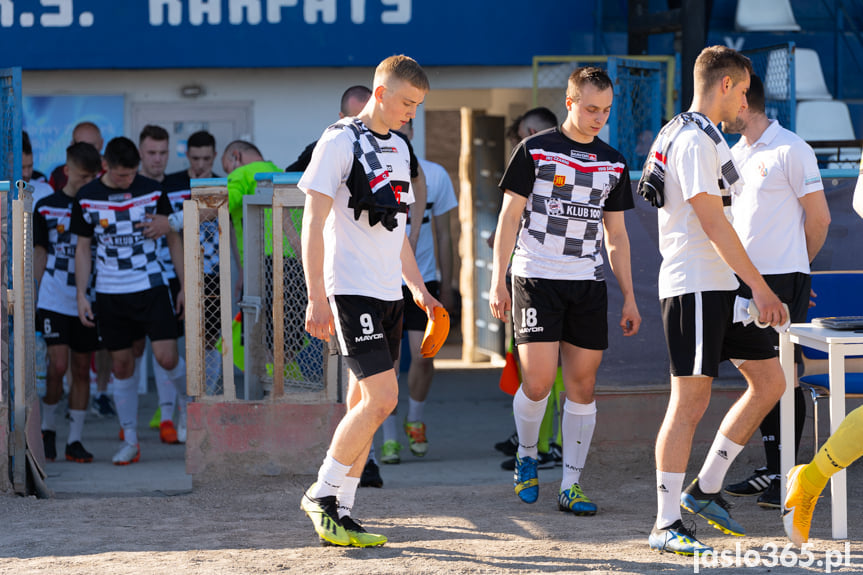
column 389, row 427
column 331, row 476
column 579, row 421
column 49, row 417
column 178, row 378
column 126, row 401
column 346, row 495
column 669, row 486
column 372, row 454
column 213, row 370
column 141, row 373
column 415, row 409
column 716, row 464
column 76, row 425
column 528, row 418
column 166, row 390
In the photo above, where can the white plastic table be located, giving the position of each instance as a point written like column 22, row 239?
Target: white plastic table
column 837, row 344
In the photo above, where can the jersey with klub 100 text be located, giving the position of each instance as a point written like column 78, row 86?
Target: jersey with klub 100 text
column 126, row 261
column 568, row 185
column 52, row 231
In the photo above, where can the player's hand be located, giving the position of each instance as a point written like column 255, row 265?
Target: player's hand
column 319, row 319
column 630, row 319
column 180, row 306
column 427, row 302
column 154, row 226
column 812, row 297
column 85, row 313
column 499, row 301
column 770, row 308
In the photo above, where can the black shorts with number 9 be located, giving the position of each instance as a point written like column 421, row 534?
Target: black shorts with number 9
column 368, row 331
column 574, row 311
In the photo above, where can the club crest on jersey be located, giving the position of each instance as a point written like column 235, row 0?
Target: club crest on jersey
column 61, row 228
column 582, row 155
column 553, row 206
column 103, row 222
column 389, row 168
column 762, row 169
column 559, row 181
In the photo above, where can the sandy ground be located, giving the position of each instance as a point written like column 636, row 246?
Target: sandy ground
column 452, row 512
column 256, row 527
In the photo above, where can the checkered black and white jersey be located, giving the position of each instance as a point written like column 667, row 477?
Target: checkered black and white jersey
column 126, row 261
column 52, row 231
column 568, row 185
column 179, row 188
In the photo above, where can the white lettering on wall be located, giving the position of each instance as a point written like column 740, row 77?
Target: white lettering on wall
column 59, row 19
column 7, row 13
column 198, row 9
column 157, row 11
column 240, row 12
column 734, row 43
column 401, row 15
column 326, row 8
column 358, row 11
column 252, row 9
column 274, row 9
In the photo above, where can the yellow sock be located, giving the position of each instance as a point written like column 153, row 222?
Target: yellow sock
column 840, row 451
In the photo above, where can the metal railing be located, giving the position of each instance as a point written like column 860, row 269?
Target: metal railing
column 273, row 303
column 23, row 298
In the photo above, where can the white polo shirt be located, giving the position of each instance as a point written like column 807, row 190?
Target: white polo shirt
column 778, row 170
column 690, row 264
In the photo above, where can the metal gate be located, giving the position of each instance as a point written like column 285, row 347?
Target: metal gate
column 273, row 303
column 12, row 471
column 636, row 116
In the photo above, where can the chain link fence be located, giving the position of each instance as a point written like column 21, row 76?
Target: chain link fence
column 273, row 305
column 300, row 367
column 209, row 354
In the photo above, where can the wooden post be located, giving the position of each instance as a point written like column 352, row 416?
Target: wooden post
column 466, row 247
column 195, row 370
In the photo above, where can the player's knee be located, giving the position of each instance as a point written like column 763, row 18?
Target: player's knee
column 423, row 365
column 167, row 359
column 123, row 368
column 384, row 402
column 57, row 368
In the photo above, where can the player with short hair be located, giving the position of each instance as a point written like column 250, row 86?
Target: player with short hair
column 440, row 200
column 563, row 188
column 132, row 296
column 56, row 304
column 82, row 132
column 781, row 217
column 697, row 286
column 153, row 144
column 355, row 253
column 535, row 120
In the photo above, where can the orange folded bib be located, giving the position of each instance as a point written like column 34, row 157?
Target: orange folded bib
column 436, row 332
